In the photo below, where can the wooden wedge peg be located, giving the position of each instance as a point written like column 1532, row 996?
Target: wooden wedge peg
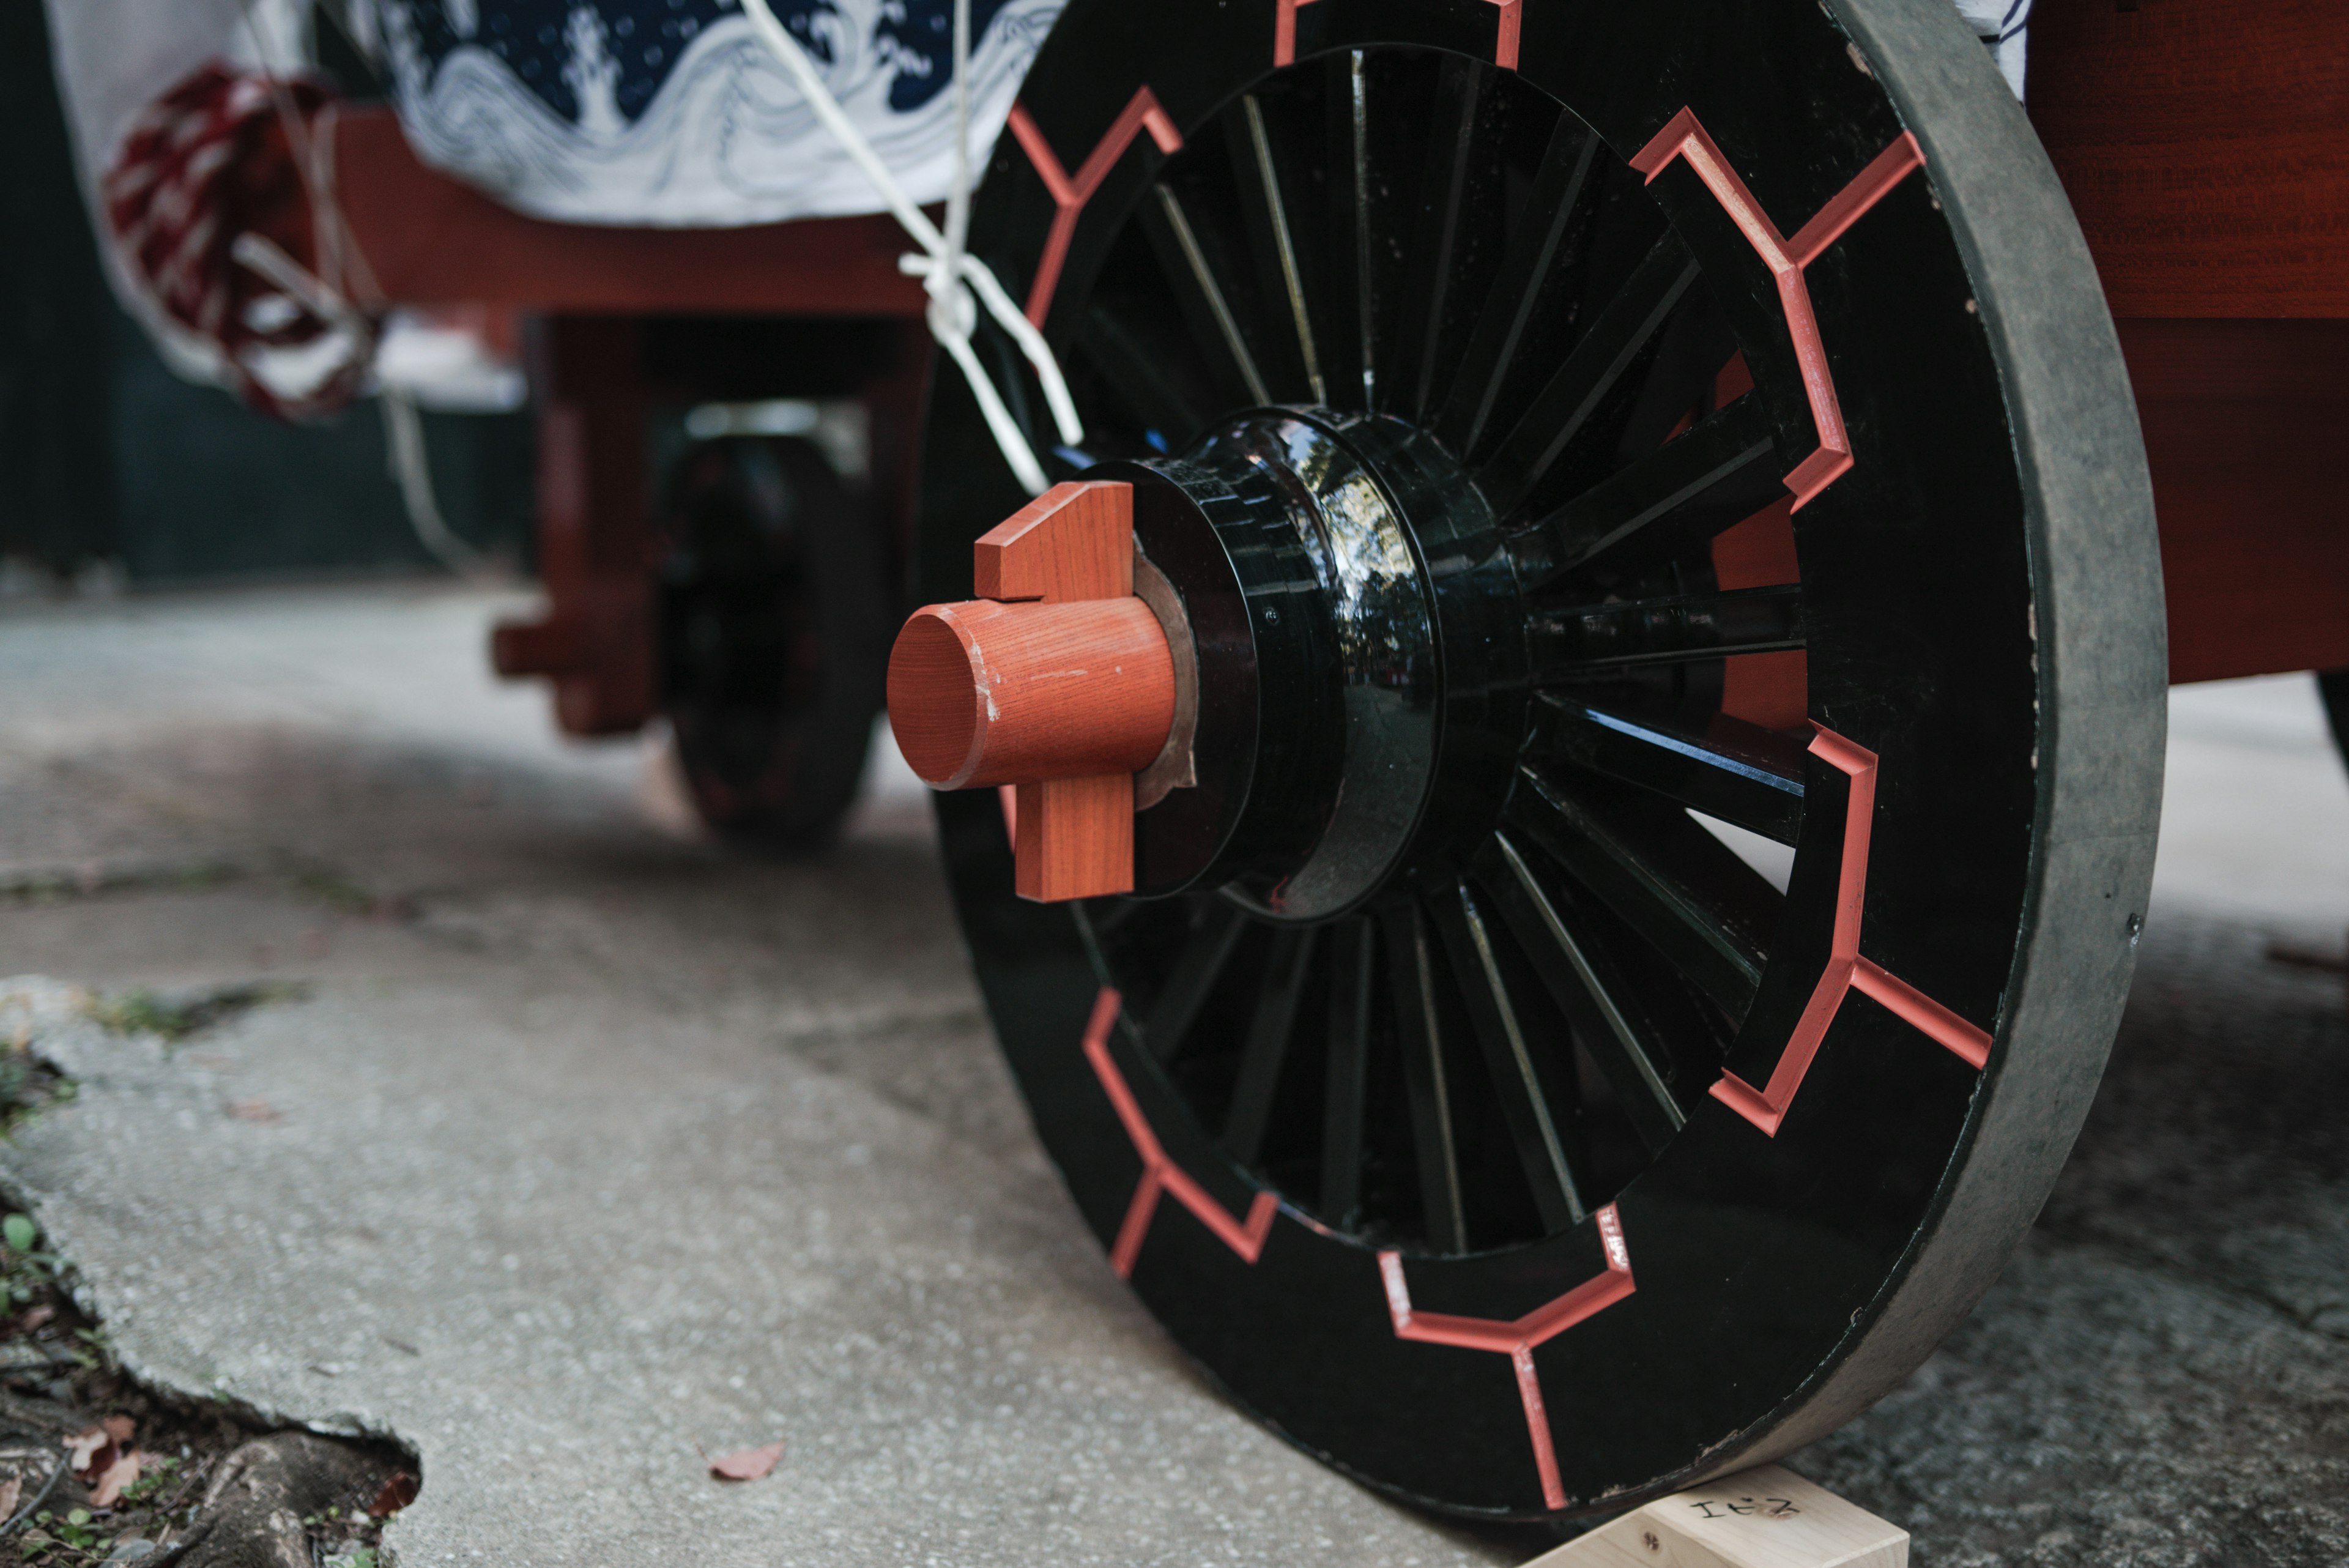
column 1056, row 681
column 1073, row 542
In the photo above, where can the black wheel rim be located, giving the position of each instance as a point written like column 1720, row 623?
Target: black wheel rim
column 1574, row 1085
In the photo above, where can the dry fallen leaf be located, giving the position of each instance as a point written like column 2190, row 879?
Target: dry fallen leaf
column 107, row 1489
column 83, row 1447
column 397, row 1494
column 10, row 1490
column 254, row 1110
column 119, row 1427
column 35, row 1318
column 747, row 1464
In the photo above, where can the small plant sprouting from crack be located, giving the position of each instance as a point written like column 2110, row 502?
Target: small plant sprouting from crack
column 347, row 896
column 25, row 1271
column 49, row 885
column 27, row 1083
column 173, row 1017
column 98, row 1465
column 335, row 889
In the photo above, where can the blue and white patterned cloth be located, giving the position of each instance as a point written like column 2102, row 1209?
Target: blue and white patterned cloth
column 670, row 112
column 658, row 113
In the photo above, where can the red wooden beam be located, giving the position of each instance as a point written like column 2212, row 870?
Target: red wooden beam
column 2205, row 145
column 2241, row 418
column 432, row 240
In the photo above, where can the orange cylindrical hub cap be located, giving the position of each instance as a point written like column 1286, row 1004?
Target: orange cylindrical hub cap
column 987, row 693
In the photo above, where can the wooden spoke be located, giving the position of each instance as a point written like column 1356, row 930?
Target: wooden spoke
column 1410, row 969
column 1593, row 382
column 1599, row 641
column 1677, row 383
column 1667, row 878
column 1722, row 471
column 1558, row 208
column 1458, row 182
column 1596, row 997
column 1348, row 1071
column 1517, row 1080
column 1183, row 257
column 1349, row 361
column 1196, row 971
column 1266, row 1051
column 1274, row 239
column 1708, row 762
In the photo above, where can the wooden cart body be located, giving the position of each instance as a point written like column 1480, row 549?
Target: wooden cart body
column 1974, row 619
column 2206, row 151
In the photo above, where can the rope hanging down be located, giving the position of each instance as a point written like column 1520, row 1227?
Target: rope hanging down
column 327, row 293
column 950, row 273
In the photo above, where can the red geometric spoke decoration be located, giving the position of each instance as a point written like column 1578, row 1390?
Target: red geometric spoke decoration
column 1516, row 1339
column 1284, row 32
column 1069, row 194
column 1846, row 969
column 1160, row 1174
column 1684, row 137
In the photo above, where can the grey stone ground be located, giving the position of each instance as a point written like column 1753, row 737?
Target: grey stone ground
column 592, row 1144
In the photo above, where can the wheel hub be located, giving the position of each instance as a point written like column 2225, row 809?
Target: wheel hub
column 1337, row 593
column 1356, row 630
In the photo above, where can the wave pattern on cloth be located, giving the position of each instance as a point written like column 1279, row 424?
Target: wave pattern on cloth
column 671, row 113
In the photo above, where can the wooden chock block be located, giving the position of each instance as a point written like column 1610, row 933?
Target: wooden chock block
column 1768, row 1516
column 1073, row 838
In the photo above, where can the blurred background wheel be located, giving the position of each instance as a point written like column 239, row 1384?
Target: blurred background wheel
column 2332, row 686
column 774, row 627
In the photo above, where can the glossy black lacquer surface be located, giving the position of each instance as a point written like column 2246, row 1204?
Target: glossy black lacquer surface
column 1488, row 1077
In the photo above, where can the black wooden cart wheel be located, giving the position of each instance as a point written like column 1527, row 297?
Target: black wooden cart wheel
column 2332, row 689
column 774, row 624
column 1599, row 448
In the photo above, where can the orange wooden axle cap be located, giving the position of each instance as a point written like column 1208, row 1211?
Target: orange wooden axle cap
column 1056, row 679
column 985, row 693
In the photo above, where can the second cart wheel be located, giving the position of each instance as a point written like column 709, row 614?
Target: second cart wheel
column 774, row 625
column 1657, row 514
column 2332, row 689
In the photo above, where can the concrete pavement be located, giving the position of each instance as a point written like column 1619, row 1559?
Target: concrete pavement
column 586, row 1148
column 590, row 1148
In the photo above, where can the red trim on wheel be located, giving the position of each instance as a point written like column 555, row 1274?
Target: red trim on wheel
column 1159, row 1172
column 1766, row 1108
column 1518, row 1338
column 1685, row 137
column 1071, row 193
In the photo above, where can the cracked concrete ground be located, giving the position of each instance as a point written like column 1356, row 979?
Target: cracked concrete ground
column 585, row 1148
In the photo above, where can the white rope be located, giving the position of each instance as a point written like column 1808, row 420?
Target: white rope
column 259, row 253
column 958, row 194
column 403, row 426
column 341, row 264
column 950, row 273
column 411, row 468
